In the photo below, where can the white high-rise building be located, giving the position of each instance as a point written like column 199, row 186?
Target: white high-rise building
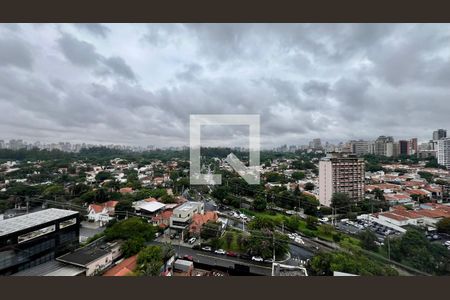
column 443, row 152
column 341, row 173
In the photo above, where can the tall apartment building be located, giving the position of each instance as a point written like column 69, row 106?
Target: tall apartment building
column 381, row 145
column 341, row 173
column 443, row 152
column 404, row 147
column 315, row 144
column 413, row 146
column 359, row 147
column 439, row 134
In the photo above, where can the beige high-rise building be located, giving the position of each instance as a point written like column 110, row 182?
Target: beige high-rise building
column 341, row 173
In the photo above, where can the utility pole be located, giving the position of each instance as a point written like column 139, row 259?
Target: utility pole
column 389, row 247
column 273, row 249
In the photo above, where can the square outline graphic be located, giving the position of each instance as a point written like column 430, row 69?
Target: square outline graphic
column 249, row 174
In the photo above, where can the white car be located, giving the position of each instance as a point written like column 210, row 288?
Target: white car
column 299, row 240
column 220, row 251
column 447, row 243
column 206, row 248
column 192, row 240
column 257, row 258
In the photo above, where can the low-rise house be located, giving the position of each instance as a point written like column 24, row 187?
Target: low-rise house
column 126, row 190
column 124, row 268
column 149, row 206
column 398, row 198
column 183, row 214
column 162, row 219
column 198, row 220
column 94, row 257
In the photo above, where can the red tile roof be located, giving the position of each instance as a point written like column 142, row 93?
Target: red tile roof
column 96, row 208
column 393, row 216
column 198, row 219
column 126, row 190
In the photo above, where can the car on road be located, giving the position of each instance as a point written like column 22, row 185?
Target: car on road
column 231, row 253
column 188, row 257
column 207, row 248
column 299, row 240
column 447, row 243
column 244, row 256
column 192, row 240
column 220, row 251
column 257, row 258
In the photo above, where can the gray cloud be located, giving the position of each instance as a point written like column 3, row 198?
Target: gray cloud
column 14, row 52
column 119, row 66
column 139, row 83
column 78, row 52
column 95, row 29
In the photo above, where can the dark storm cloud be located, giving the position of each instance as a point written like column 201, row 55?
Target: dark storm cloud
column 139, row 84
column 84, row 54
column 14, row 52
column 78, row 52
column 96, row 29
column 119, row 66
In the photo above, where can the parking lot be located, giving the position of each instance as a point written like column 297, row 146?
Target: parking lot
column 355, row 227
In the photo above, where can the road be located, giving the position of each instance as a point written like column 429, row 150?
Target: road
column 217, row 260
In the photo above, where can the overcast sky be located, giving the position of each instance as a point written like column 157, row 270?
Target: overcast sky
column 137, row 84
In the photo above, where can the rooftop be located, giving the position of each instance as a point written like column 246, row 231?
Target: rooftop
column 52, row 268
column 150, row 206
column 87, row 254
column 19, row 223
column 188, row 206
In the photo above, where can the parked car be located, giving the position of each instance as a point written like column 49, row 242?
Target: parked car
column 220, row 251
column 447, row 243
column 257, row 258
column 172, row 236
column 244, row 256
column 207, row 248
column 188, row 257
column 232, row 254
column 192, row 240
column 299, row 240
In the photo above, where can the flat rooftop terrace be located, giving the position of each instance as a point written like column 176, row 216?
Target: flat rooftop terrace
column 8, row 226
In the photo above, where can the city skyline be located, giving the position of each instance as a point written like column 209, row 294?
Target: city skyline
column 96, row 82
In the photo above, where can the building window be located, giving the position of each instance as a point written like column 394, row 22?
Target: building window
column 36, row 233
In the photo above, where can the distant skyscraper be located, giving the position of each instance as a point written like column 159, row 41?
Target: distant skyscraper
column 316, row 144
column 341, row 173
column 443, row 152
column 383, row 146
column 439, row 134
column 403, row 147
column 359, row 147
column 413, row 146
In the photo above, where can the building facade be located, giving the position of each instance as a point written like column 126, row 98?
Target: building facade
column 439, row 134
column 341, row 173
column 182, row 215
column 443, row 152
column 360, row 147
